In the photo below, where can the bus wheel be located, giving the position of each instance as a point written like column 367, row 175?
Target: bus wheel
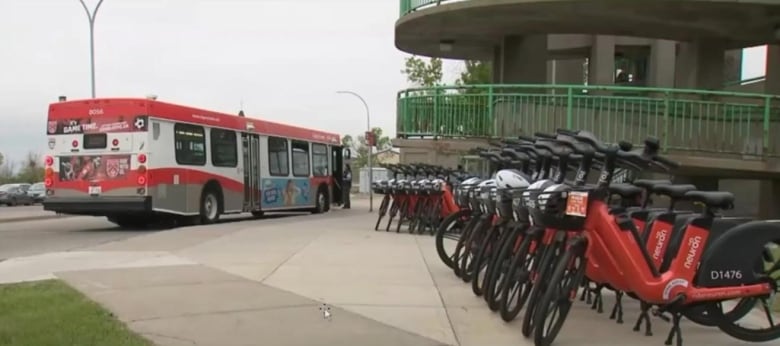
column 321, row 205
column 209, row 207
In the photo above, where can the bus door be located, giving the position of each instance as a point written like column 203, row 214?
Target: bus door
column 251, row 146
column 338, row 174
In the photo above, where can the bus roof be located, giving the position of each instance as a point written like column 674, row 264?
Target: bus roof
column 92, row 108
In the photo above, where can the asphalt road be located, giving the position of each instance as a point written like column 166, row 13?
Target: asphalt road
column 70, row 233
column 27, row 238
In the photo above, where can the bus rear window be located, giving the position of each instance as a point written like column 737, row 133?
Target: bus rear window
column 95, row 141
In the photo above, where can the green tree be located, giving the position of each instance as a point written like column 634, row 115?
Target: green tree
column 423, row 72
column 2, row 159
column 476, row 72
column 360, row 147
column 32, row 170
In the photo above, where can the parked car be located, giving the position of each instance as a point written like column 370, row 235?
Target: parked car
column 38, row 192
column 15, row 194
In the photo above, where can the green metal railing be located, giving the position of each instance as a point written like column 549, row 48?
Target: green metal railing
column 685, row 120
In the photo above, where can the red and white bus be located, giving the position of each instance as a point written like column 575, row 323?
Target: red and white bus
column 137, row 161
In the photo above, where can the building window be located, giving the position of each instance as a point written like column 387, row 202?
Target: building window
column 278, row 157
column 190, row 144
column 300, row 159
column 320, row 158
column 224, row 152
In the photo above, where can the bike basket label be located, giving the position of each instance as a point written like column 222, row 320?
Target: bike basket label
column 577, row 203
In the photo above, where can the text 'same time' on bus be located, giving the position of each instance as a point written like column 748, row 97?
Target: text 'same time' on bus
column 138, row 161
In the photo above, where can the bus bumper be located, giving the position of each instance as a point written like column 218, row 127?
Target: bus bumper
column 98, row 206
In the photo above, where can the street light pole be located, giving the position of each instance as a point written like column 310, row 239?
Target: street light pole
column 91, row 17
column 370, row 151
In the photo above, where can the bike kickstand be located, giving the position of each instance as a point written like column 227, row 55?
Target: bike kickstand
column 644, row 316
column 676, row 331
column 617, row 310
column 598, row 304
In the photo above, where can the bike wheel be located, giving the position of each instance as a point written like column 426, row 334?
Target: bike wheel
column 453, row 224
column 540, row 278
column 744, row 331
column 561, row 292
column 698, row 314
column 470, row 249
column 460, row 247
column 482, row 260
column 382, row 211
column 499, row 273
column 517, row 287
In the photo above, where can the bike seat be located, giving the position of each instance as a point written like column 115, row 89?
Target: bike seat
column 625, row 191
column 674, row 191
column 712, row 199
column 650, row 184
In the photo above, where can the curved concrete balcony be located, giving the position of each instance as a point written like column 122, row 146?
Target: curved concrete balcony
column 475, row 27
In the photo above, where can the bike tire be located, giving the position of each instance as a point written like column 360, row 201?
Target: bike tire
column 454, row 218
column 520, row 260
column 698, row 314
column 500, row 266
column 562, row 274
column 482, row 261
column 546, row 266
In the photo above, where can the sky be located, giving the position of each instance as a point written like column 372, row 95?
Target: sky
column 283, row 59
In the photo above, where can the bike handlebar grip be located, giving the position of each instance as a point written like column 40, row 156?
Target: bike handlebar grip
column 526, row 139
column 544, row 135
column 625, row 146
column 666, row 162
column 653, row 143
column 566, row 132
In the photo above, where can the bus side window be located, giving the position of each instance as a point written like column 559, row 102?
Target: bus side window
column 278, row 154
column 190, row 144
column 300, row 159
column 320, row 158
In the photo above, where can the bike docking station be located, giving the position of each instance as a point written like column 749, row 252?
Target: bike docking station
column 565, row 214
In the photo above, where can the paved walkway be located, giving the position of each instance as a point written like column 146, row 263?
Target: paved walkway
column 265, row 282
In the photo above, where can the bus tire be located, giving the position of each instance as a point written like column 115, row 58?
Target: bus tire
column 210, row 206
column 321, row 203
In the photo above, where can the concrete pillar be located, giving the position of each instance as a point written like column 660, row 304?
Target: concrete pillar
column 524, row 60
column 700, row 65
column 772, row 83
column 661, row 64
column 769, row 199
column 569, row 71
column 601, row 65
column 498, row 64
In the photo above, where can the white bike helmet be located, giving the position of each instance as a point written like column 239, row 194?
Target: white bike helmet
column 511, row 179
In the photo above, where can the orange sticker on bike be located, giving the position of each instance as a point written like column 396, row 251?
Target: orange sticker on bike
column 577, row 203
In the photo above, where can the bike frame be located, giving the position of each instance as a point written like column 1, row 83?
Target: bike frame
column 614, row 257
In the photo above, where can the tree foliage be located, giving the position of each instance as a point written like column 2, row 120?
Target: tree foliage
column 476, row 72
column 360, row 149
column 423, row 72
column 29, row 170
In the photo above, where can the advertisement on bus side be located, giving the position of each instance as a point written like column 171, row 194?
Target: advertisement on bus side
column 285, row 192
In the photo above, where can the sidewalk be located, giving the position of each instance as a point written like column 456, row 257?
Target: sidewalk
column 264, row 282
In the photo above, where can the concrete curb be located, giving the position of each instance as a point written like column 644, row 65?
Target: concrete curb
column 33, row 218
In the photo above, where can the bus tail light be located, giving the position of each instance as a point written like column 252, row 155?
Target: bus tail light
column 141, row 179
column 48, row 182
column 49, row 161
column 141, row 158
